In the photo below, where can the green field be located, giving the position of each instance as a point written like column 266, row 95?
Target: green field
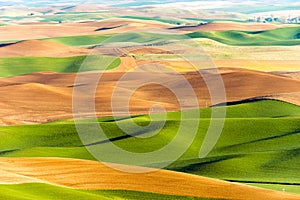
column 90, row 41
column 286, row 188
column 258, row 145
column 41, row 191
column 282, row 36
column 95, row 40
column 145, row 38
column 13, row 66
column 158, row 19
column 271, row 119
column 85, row 40
column 254, row 141
column 288, row 36
column 70, row 17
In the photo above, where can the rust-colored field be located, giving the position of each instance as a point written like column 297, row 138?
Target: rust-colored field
column 92, row 175
column 41, row 48
column 37, row 30
column 49, row 30
column 157, row 69
column 42, row 97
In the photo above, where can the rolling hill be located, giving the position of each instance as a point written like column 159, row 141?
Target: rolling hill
column 228, row 26
column 33, row 191
column 39, row 30
column 40, row 48
column 20, row 140
column 84, row 40
column 97, row 176
column 282, row 36
column 14, row 66
column 261, row 155
column 54, row 92
column 133, row 100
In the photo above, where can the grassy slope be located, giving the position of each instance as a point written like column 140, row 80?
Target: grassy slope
column 86, row 40
column 71, row 17
column 259, row 142
column 40, row 191
column 145, row 38
column 14, row 66
column 63, row 133
column 279, row 187
column 281, row 36
column 94, row 40
column 168, row 21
